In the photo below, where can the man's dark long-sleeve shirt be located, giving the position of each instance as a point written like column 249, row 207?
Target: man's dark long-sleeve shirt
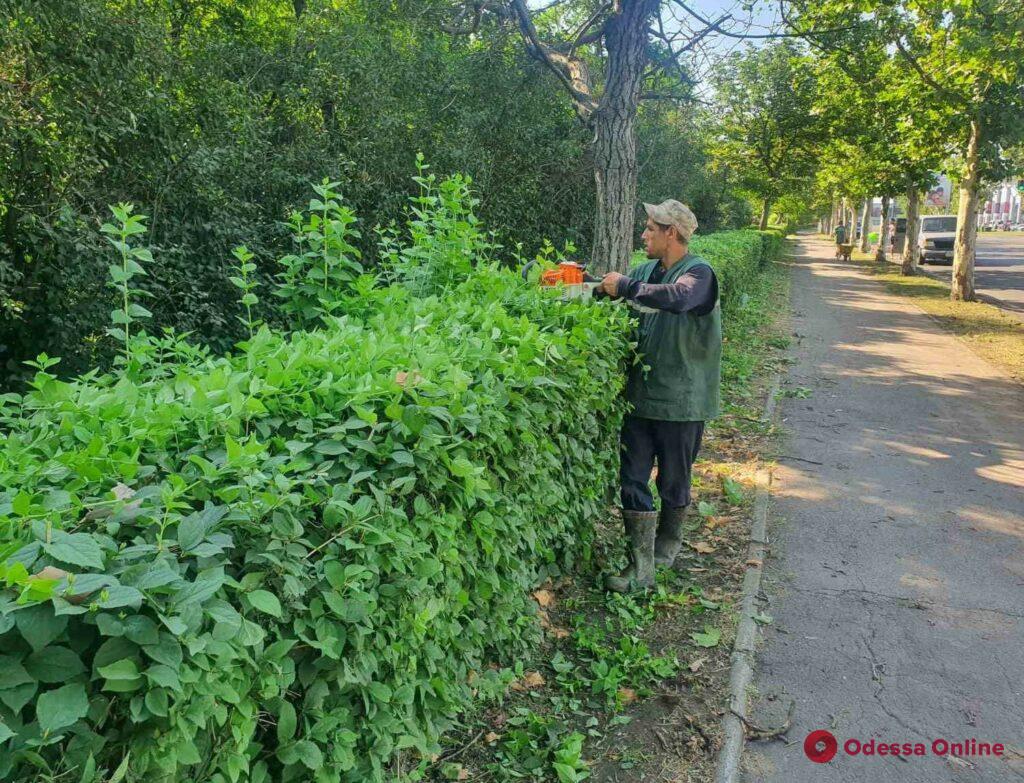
column 696, row 290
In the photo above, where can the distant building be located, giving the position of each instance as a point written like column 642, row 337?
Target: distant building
column 1002, row 205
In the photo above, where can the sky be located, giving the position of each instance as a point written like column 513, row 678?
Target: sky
column 751, row 17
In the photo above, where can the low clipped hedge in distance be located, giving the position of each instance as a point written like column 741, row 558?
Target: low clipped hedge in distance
column 736, row 256
column 300, row 561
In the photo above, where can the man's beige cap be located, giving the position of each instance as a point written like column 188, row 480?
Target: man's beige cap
column 672, row 213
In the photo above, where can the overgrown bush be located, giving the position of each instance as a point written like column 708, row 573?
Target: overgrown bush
column 304, row 559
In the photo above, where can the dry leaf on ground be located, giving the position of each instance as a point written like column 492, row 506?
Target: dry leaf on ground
column 544, row 597
column 703, row 547
column 402, row 378
column 528, row 680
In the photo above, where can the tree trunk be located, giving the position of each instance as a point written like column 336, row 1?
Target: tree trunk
column 883, row 232
column 865, row 224
column 615, row 163
column 967, row 223
column 911, row 252
column 766, row 211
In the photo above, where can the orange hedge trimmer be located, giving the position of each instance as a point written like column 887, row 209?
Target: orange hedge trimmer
column 573, row 277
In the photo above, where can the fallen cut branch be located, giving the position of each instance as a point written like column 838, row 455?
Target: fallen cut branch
column 756, row 732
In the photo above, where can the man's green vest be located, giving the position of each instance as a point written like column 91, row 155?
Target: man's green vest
column 684, row 354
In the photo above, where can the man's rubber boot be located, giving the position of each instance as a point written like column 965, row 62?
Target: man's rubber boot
column 641, row 527
column 670, row 535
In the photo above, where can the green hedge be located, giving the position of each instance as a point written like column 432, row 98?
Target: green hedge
column 302, row 559
column 316, row 555
column 736, row 256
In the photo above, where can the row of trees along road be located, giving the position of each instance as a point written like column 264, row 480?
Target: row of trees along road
column 912, row 85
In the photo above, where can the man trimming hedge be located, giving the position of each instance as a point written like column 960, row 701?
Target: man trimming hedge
column 673, row 389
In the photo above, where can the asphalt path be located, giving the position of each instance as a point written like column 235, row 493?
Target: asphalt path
column 894, row 586
column 998, row 268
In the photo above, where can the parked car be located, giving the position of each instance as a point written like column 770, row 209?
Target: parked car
column 938, row 232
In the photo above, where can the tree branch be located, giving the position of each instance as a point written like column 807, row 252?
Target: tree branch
column 577, row 37
column 711, row 27
column 912, row 61
column 671, row 62
column 570, row 70
column 455, row 29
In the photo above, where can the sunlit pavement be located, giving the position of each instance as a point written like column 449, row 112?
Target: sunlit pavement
column 896, row 568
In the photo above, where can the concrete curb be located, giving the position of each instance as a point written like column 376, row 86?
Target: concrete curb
column 742, row 671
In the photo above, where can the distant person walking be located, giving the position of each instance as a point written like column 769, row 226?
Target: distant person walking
column 841, row 234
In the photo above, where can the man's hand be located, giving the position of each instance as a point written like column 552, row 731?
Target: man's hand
column 610, row 283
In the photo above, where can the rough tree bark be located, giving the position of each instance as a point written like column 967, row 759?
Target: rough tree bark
column 911, row 252
column 615, row 164
column 967, row 222
column 766, row 211
column 883, row 232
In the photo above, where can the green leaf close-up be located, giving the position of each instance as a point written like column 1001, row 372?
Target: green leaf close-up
column 59, row 708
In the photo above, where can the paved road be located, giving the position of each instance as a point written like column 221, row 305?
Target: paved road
column 999, row 268
column 896, row 571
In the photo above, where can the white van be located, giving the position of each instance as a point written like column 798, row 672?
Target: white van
column 938, row 232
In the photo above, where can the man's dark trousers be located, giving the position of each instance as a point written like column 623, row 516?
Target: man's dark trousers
column 674, row 444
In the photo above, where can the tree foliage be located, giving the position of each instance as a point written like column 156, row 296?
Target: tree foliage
column 767, row 131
